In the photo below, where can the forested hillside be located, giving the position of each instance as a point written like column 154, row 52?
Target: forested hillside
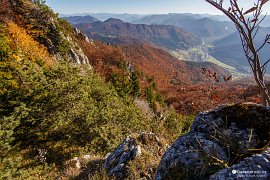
column 115, row 31
column 67, row 100
column 50, row 108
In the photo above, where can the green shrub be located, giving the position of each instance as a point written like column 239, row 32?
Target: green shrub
column 121, row 84
column 65, row 109
column 176, row 124
column 150, row 95
column 135, row 86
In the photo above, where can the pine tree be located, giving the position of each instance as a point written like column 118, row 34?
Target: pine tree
column 135, row 86
column 121, row 84
column 150, row 94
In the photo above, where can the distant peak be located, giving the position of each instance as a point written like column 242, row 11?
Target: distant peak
column 89, row 16
column 205, row 19
column 114, row 20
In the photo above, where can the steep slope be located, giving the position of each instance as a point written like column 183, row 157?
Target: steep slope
column 183, row 84
column 44, row 26
column 105, row 59
column 52, row 109
column 116, row 31
column 199, row 25
column 158, row 64
column 164, row 68
column 229, row 50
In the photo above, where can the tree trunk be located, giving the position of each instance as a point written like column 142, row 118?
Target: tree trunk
column 258, row 74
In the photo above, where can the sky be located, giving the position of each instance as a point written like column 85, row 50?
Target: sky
column 135, row 6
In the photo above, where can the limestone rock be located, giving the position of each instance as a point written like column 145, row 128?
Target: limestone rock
column 255, row 167
column 78, row 56
column 116, row 162
column 83, row 36
column 76, row 53
column 218, row 138
column 189, row 155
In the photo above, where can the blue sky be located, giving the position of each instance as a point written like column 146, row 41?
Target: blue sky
column 134, row 6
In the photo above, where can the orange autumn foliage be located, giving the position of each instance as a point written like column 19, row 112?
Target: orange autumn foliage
column 104, row 58
column 25, row 47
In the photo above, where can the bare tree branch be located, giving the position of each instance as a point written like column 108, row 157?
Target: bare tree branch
column 265, row 64
column 248, row 27
column 267, row 38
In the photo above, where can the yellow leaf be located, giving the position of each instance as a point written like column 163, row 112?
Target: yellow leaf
column 29, row 48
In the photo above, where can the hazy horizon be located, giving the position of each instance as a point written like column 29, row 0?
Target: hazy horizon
column 88, row 13
column 143, row 7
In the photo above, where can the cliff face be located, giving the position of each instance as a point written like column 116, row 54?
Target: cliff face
column 61, row 40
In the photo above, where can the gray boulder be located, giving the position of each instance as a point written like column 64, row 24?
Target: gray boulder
column 255, row 167
column 116, row 163
column 219, row 138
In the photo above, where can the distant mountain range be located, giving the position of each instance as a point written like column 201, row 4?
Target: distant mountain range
column 229, row 50
column 173, row 32
column 116, row 31
column 104, row 16
column 81, row 19
column 137, row 18
column 203, row 25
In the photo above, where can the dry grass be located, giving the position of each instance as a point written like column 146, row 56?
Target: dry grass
column 85, row 167
column 144, row 166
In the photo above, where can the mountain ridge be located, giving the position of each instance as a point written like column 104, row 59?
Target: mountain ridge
column 81, row 19
column 201, row 26
column 209, row 27
column 161, row 35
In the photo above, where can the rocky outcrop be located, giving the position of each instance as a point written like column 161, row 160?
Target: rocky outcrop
column 117, row 163
column 78, row 56
column 83, row 36
column 225, row 136
column 61, row 40
column 76, row 53
column 255, row 167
